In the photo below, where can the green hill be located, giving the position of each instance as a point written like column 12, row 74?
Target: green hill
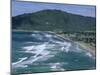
column 53, row 20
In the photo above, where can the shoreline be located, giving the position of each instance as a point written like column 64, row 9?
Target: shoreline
column 90, row 49
column 87, row 47
column 84, row 45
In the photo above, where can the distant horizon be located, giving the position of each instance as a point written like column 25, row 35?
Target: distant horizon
column 20, row 8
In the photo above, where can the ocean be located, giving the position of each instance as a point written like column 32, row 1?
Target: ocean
column 39, row 52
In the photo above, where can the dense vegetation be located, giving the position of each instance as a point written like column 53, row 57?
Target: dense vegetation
column 53, row 20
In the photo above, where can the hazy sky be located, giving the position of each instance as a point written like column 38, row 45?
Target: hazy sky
column 29, row 7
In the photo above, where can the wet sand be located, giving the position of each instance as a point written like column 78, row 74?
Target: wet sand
column 87, row 47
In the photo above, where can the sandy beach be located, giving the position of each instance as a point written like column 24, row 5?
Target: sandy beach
column 87, row 47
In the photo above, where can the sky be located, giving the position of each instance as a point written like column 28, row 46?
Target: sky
column 19, row 8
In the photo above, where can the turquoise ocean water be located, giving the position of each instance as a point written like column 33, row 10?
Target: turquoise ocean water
column 35, row 52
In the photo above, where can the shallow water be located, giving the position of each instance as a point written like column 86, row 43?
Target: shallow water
column 34, row 52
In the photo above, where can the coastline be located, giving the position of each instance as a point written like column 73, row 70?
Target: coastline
column 87, row 47
column 84, row 45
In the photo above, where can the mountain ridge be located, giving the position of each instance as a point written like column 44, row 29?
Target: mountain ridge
column 53, row 20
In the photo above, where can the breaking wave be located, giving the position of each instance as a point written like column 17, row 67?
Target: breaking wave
column 44, row 47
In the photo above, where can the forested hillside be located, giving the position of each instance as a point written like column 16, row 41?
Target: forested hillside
column 53, row 20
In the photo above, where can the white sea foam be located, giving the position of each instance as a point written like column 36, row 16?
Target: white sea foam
column 89, row 54
column 29, row 61
column 37, row 36
column 43, row 52
column 57, row 67
column 17, row 64
column 40, row 49
column 48, row 35
column 46, row 57
column 21, row 59
column 33, row 34
column 37, row 50
column 65, row 46
column 28, row 48
column 77, row 49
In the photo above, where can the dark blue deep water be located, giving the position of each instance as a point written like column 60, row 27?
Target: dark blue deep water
column 34, row 52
